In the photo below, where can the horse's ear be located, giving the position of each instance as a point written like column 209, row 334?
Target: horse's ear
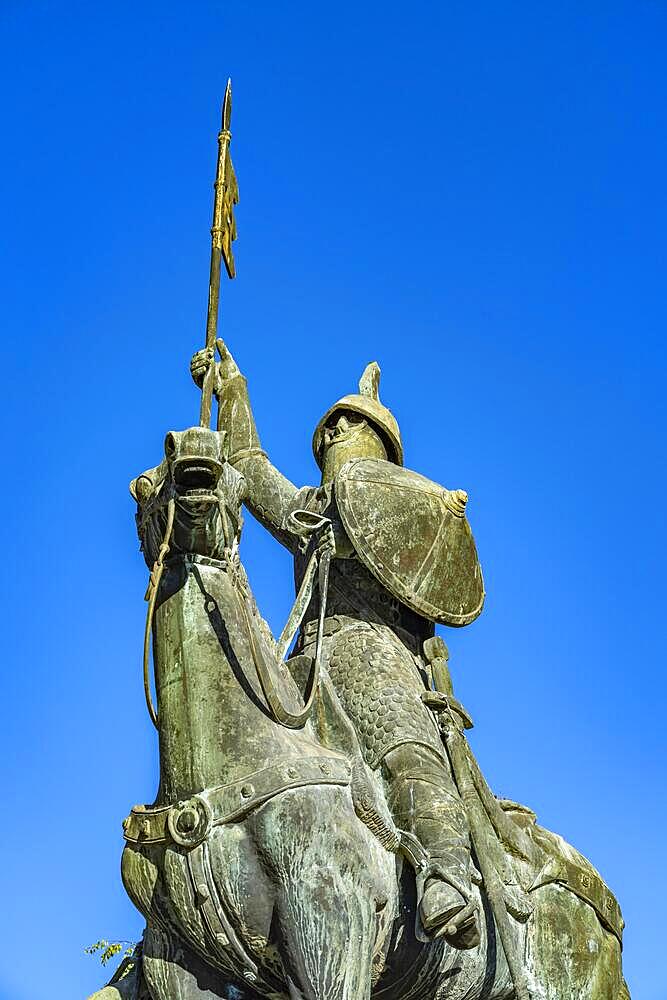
column 142, row 487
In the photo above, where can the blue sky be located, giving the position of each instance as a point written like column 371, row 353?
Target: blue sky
column 474, row 195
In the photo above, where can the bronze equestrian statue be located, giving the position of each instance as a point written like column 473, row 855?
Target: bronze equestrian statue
column 373, row 639
column 273, row 861
column 321, row 829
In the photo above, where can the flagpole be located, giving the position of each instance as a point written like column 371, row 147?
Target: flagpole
column 223, row 232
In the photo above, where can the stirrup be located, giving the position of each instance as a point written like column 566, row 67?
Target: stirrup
column 458, row 924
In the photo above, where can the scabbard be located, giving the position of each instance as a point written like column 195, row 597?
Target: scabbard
column 487, row 848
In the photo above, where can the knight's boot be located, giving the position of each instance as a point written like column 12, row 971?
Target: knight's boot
column 425, row 803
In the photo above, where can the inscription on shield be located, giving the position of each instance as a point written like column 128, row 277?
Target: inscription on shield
column 413, row 537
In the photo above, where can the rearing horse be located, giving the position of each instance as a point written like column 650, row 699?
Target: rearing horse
column 269, row 865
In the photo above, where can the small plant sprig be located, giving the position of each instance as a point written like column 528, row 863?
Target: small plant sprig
column 109, row 949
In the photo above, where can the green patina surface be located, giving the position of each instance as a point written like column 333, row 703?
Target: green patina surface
column 321, row 828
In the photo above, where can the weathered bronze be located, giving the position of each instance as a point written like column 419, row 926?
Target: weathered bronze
column 434, row 569
column 321, row 829
column 223, row 233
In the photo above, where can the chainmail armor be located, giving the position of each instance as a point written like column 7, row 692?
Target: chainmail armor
column 380, row 688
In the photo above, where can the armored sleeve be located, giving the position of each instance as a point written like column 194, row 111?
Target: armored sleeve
column 270, row 495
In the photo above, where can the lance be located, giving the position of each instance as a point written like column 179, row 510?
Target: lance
column 223, row 233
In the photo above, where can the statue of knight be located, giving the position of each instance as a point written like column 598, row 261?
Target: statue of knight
column 271, row 862
column 373, row 641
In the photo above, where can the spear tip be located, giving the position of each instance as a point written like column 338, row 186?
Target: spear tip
column 227, row 105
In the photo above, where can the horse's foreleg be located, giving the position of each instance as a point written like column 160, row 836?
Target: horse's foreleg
column 172, row 972
column 326, row 891
column 326, row 934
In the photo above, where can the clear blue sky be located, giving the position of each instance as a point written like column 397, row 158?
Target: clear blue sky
column 472, row 194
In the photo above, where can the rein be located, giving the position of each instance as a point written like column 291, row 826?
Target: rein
column 151, row 597
column 304, row 524
column 281, row 714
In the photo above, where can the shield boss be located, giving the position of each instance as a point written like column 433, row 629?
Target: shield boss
column 413, row 537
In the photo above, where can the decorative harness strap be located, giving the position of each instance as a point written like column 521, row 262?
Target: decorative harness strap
column 189, row 823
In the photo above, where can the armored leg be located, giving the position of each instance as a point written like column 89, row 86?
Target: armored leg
column 424, row 801
column 380, row 687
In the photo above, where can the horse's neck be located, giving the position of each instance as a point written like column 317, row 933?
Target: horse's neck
column 213, row 726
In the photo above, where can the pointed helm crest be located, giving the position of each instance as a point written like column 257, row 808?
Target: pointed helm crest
column 367, row 404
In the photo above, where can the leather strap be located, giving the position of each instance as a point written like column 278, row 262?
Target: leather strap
column 188, row 823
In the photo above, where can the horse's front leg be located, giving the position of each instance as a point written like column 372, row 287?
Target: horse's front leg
column 172, row 972
column 167, row 970
column 331, row 884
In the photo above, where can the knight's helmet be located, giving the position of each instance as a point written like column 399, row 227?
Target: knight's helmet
column 367, row 403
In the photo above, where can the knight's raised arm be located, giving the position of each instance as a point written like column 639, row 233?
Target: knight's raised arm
column 270, row 495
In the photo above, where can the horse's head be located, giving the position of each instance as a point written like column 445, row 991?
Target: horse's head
column 205, row 491
column 195, row 459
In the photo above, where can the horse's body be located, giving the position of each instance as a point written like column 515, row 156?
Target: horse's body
column 268, row 865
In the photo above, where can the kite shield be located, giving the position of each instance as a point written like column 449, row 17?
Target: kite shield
column 414, row 538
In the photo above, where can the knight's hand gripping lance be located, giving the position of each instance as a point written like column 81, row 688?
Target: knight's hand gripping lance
column 223, row 233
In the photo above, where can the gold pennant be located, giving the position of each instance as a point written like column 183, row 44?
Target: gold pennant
column 223, row 230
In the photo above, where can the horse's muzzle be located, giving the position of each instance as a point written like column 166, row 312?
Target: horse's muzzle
column 195, row 458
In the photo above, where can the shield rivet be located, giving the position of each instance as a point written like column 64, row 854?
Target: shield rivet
column 247, row 791
column 291, row 772
column 324, row 768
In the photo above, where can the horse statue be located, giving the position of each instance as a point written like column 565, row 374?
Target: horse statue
column 269, row 865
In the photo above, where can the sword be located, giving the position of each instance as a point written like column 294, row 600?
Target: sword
column 453, row 719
